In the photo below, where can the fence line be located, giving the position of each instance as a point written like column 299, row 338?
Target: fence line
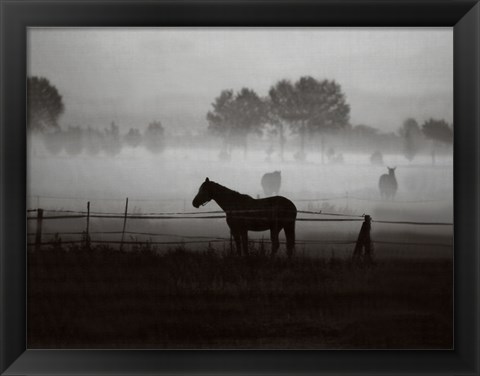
column 167, row 215
column 213, row 238
column 127, row 233
column 328, row 213
column 133, row 216
column 415, row 223
column 191, row 213
column 136, row 216
column 363, row 247
column 334, row 198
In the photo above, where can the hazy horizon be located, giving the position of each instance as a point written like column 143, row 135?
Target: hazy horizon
column 136, row 75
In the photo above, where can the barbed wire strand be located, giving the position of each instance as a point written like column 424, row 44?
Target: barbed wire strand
column 345, row 197
column 192, row 213
column 133, row 216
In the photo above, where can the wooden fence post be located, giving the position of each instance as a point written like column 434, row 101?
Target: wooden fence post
column 38, row 236
column 364, row 241
column 124, row 224
column 87, row 230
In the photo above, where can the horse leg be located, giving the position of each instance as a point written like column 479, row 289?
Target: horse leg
column 274, row 238
column 238, row 242
column 289, row 229
column 244, row 236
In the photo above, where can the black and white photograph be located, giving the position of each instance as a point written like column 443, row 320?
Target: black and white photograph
column 240, row 188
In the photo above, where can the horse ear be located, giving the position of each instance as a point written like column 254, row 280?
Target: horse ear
column 207, row 180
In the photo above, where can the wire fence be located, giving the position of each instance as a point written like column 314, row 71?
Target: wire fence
column 305, row 216
column 220, row 215
column 346, row 196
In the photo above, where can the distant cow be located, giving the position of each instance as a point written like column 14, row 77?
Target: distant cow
column 388, row 184
column 271, row 182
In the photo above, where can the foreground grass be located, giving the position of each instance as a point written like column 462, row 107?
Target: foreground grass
column 104, row 298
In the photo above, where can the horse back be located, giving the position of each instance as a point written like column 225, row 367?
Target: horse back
column 277, row 202
column 262, row 214
column 266, row 207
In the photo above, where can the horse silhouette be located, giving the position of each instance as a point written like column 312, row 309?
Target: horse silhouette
column 245, row 213
column 388, row 184
column 271, row 182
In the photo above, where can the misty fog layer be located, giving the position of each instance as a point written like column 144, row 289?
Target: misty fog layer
column 177, row 173
column 167, row 182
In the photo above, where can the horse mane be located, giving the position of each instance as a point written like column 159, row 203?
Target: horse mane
column 228, row 191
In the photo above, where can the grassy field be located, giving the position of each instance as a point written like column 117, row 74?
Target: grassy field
column 105, row 298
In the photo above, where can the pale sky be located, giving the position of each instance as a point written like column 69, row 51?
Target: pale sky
column 135, row 75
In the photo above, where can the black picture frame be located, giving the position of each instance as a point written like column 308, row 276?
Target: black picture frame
column 17, row 15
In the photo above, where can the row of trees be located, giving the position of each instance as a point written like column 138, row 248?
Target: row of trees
column 45, row 106
column 437, row 131
column 75, row 140
column 308, row 108
column 314, row 109
column 305, row 107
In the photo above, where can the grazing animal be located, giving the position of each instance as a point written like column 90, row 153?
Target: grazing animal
column 376, row 158
column 245, row 213
column 388, row 184
column 271, row 182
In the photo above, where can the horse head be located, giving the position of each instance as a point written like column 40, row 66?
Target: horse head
column 203, row 196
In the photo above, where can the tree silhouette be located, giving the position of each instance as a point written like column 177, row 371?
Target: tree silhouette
column 111, row 140
column 411, row 134
column 73, row 140
column 440, row 132
column 154, row 137
column 54, row 141
column 234, row 117
column 361, row 135
column 220, row 119
column 249, row 114
column 133, row 138
column 310, row 106
column 94, row 140
column 44, row 104
column 327, row 105
column 280, row 98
